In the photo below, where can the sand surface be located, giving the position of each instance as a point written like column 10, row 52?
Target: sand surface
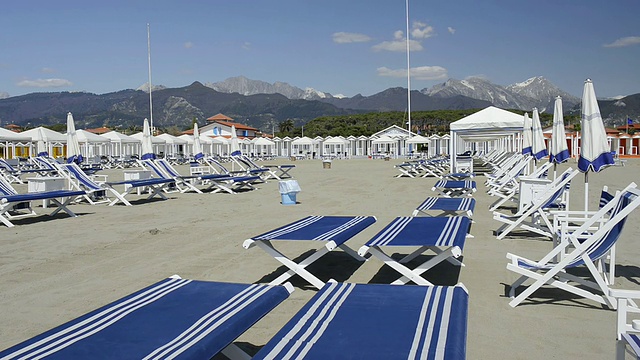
column 55, row 269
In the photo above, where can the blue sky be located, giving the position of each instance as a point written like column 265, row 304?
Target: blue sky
column 339, row 46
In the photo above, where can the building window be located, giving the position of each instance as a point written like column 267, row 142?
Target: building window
column 215, row 131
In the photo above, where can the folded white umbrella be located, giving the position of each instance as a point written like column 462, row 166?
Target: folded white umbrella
column 73, row 145
column 538, row 147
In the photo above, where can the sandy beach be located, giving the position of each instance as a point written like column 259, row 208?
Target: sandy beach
column 55, row 269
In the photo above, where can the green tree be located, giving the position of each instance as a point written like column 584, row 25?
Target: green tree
column 286, row 126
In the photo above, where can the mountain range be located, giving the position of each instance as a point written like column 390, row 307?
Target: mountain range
column 264, row 105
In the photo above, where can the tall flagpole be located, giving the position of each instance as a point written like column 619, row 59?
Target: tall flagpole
column 150, row 98
column 408, row 72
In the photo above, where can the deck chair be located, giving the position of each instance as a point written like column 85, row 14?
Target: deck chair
column 333, row 230
column 408, row 169
column 174, row 318
column 627, row 323
column 566, row 222
column 12, row 175
column 447, row 206
column 96, row 192
column 579, row 251
column 535, row 217
column 229, row 184
column 435, row 168
column 425, row 233
column 250, row 167
column 45, row 165
column 154, row 187
column 509, row 179
column 280, row 172
column 449, row 188
column 459, row 176
column 375, row 321
column 512, row 193
column 277, row 172
column 164, row 170
column 16, row 206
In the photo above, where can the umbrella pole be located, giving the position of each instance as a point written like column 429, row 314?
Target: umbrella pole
column 555, row 174
column 586, row 193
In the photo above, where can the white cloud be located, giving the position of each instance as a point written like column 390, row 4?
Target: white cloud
column 418, row 73
column 246, row 45
column 47, row 70
column 451, row 30
column 4, row 94
column 421, row 30
column 188, row 45
column 398, row 45
column 45, row 83
column 625, row 41
column 346, row 38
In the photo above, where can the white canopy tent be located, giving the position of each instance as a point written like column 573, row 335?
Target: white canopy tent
column 121, row 144
column 173, row 144
column 9, row 140
column 54, row 141
column 92, row 144
column 488, row 124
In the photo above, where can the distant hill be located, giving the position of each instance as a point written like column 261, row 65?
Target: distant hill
column 180, row 106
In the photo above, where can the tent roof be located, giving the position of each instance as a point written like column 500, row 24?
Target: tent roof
column 44, row 134
column 115, row 136
column 336, row 140
column 418, row 139
column 8, row 135
column 489, row 119
column 85, row 136
column 170, row 139
column 154, row 139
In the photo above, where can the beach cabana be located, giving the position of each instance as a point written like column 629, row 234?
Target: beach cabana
column 92, row 144
column 302, row 146
column 173, row 144
column 157, row 143
column 263, row 146
column 121, row 145
column 484, row 125
column 54, row 141
column 12, row 144
column 336, row 146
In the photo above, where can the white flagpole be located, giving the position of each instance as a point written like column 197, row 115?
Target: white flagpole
column 408, row 73
column 150, row 98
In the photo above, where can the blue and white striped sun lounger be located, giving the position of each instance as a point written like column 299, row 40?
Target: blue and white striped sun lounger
column 448, row 206
column 155, row 186
column 333, row 230
column 376, row 322
column 15, row 206
column 445, row 236
column 174, row 318
column 450, row 188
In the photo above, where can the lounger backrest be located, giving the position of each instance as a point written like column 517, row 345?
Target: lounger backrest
column 81, row 176
column 153, row 166
column 5, row 165
column 168, row 168
column 558, row 193
column 610, row 232
column 219, row 165
column 6, row 189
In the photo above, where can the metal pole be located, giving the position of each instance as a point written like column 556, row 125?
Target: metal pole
column 408, row 72
column 149, row 61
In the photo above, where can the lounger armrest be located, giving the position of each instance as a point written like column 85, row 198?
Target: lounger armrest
column 623, row 293
column 249, row 243
column 363, row 250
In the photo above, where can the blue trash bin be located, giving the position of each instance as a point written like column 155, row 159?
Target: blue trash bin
column 289, row 190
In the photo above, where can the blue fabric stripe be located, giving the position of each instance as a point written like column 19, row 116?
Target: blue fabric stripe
column 540, row 154
column 603, row 160
column 560, row 157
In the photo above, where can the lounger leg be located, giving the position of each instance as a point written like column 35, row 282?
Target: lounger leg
column 63, row 206
column 5, row 220
column 156, row 191
column 441, row 256
column 403, row 270
column 233, row 352
column 294, row 267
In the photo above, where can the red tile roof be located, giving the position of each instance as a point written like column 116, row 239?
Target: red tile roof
column 219, row 117
column 99, row 131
